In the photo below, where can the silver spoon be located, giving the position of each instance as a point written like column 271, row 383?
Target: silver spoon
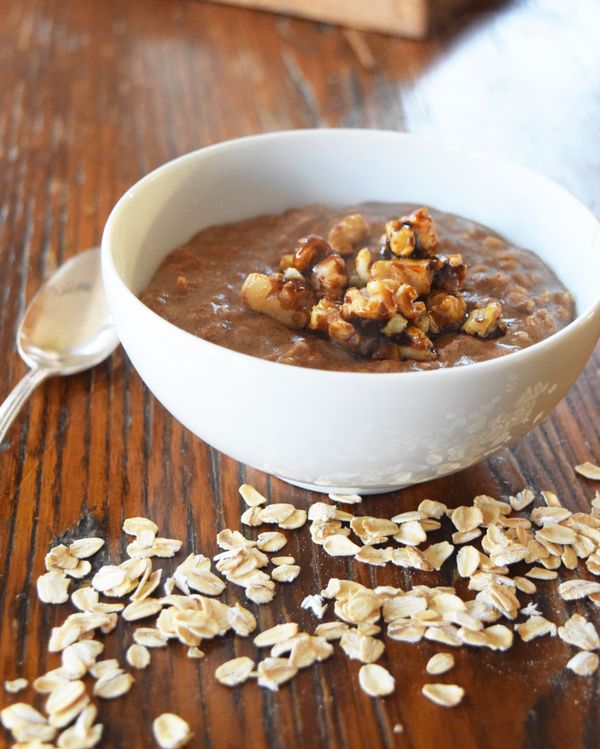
column 66, row 328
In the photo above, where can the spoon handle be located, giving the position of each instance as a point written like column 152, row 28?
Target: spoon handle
column 17, row 397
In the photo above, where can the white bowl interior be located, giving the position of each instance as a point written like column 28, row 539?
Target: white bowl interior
column 270, row 173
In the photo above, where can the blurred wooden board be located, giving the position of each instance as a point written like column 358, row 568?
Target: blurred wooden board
column 410, row 18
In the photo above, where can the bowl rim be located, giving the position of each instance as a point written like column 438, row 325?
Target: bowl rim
column 111, row 274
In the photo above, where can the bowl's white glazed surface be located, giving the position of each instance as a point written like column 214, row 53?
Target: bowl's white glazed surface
column 338, row 430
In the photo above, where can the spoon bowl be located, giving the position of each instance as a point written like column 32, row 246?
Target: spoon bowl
column 66, row 329
column 67, row 326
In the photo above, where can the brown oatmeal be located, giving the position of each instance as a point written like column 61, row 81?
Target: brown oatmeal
column 198, row 285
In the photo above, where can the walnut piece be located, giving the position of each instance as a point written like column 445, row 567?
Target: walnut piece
column 400, row 238
column 450, row 274
column 388, row 309
column 485, row 322
column 326, row 317
column 446, row 311
column 395, row 326
column 427, row 238
column 329, row 277
column 348, row 232
column 289, row 302
column 309, row 251
column 362, row 265
column 374, row 302
column 406, row 301
column 412, row 271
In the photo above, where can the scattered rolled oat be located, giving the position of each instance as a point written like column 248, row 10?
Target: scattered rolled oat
column 436, row 554
column 235, row 671
column 26, row 723
column 78, row 658
column 271, row 541
column 522, row 500
column 331, row 630
column 315, row 604
column 376, row 680
column 361, row 646
column 589, row 470
column 294, row 521
column 241, row 620
column 340, row 546
column 550, row 537
column 540, row 573
column 439, row 663
column 466, row 519
column 171, row 731
column 274, row 671
column 252, row 516
column 140, row 527
column 251, row 496
column 579, row 632
column 572, row 590
column 468, row 560
column 285, row 573
column 138, row 656
column 83, row 548
column 53, row 587
column 111, row 685
column 446, row 695
column 195, row 652
column 346, row 499
column 141, row 609
column 150, row 637
column 278, row 633
column 584, row 663
column 83, row 733
column 535, row 626
column 16, row 685
column 276, row 513
column 282, row 560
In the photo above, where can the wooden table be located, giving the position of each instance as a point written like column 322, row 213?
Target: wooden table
column 95, row 94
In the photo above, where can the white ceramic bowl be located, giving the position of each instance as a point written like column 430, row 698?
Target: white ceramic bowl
column 337, row 430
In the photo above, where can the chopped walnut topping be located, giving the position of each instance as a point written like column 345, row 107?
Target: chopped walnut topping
column 449, row 275
column 485, row 322
column 406, row 297
column 412, row 271
column 309, row 251
column 378, row 310
column 421, row 221
column 395, row 326
column 329, row 277
column 419, row 348
column 289, row 302
column 362, row 265
column 326, row 317
column 347, row 232
column 374, row 302
column 446, row 311
column 401, row 238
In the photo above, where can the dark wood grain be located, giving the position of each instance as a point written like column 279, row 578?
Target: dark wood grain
column 92, row 96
